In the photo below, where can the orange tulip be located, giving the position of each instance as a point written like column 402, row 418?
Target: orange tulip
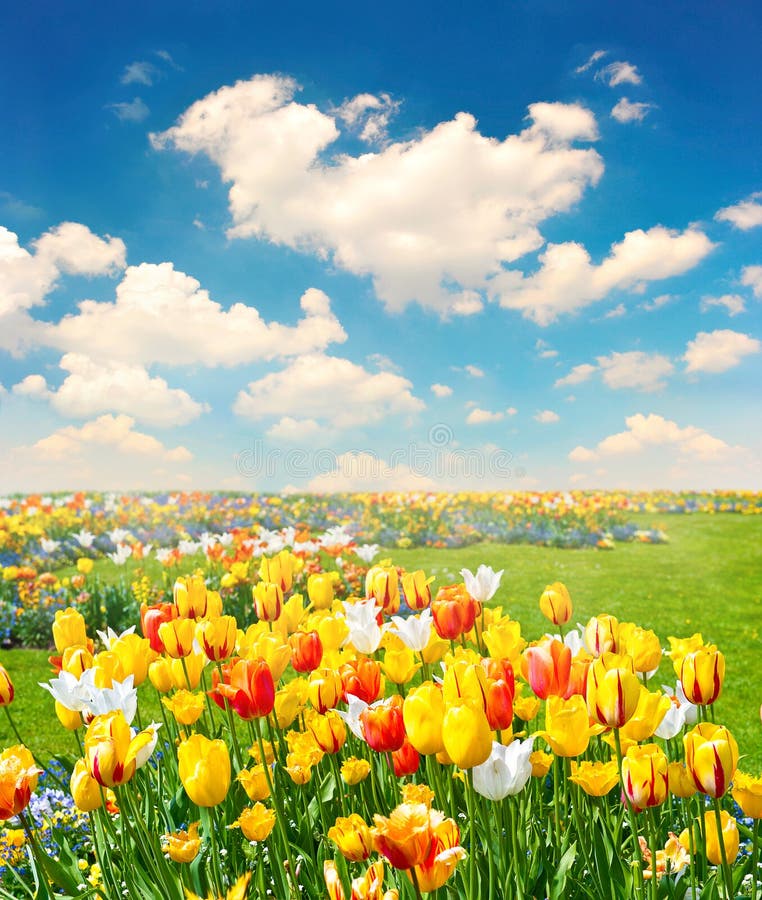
column 383, row 726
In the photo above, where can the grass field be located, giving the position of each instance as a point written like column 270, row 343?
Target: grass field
column 708, row 578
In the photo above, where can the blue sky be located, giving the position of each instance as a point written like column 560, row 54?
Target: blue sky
column 343, row 247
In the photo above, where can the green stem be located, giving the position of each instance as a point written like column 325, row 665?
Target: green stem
column 653, row 845
column 723, row 854
column 471, row 806
column 630, row 814
column 416, row 887
column 13, row 726
column 754, row 858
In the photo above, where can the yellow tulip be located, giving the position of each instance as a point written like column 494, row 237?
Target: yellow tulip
column 185, row 706
column 642, row 645
column 84, row 788
column 85, row 565
column 556, row 604
column 329, row 730
column 76, row 659
column 135, row 656
column 182, row 846
column 354, row 770
column 111, row 752
column 256, row 822
column 730, row 838
column 160, row 675
column 504, row 641
column 254, row 782
column 567, row 728
column 747, row 792
column 466, row 735
column 332, row 630
column 274, row 649
column 681, row 782
column 6, row 687
column 353, row 837
column 268, row 600
column 218, row 637
column 325, row 689
column 320, row 590
column 651, row 709
column 279, row 569
column 595, row 778
column 423, row 713
column 190, row 596
column 290, row 700
column 204, row 768
column 541, row 763
column 69, row 718
column 400, row 665
column 186, row 673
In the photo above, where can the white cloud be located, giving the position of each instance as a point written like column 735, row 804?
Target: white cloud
column 751, row 276
column 636, row 370
column 546, row 417
column 577, row 375
column 292, row 430
column 544, row 350
column 327, row 389
column 657, row 302
column 161, row 315
column 567, row 279
column 620, row 72
column 474, row 371
column 369, row 115
column 734, row 304
column 430, row 220
column 628, row 111
column 744, row 215
column 511, row 411
column 383, row 363
column 617, row 312
column 134, row 111
column 718, row 351
column 592, row 60
column 139, row 72
column 93, row 387
column 361, row 471
column 479, row 416
column 441, row 390
column 647, row 431
column 113, row 432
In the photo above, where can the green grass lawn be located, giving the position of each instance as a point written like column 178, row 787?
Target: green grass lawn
column 708, row 579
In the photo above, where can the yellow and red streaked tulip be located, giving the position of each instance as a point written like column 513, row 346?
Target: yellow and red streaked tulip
column 730, row 838
column 711, row 756
column 645, row 776
column 320, row 590
column 370, row 886
column 353, row 837
column 681, row 782
column 454, row 611
column 556, row 604
column 464, row 680
column 256, row 822
column 279, row 569
column 404, row 837
column 613, row 690
column 236, row 892
column 325, row 689
column 254, row 782
column 406, row 760
column 69, row 629
column 18, row 780
column 76, row 660
column 6, row 687
column 151, row 617
column 701, row 675
column 204, row 769
column 601, row 634
column 332, row 881
column 112, row 754
column 595, row 778
column 417, row 589
column 329, row 731
column 567, row 726
column 383, row 726
column 443, row 857
column 268, row 600
column 548, row 668
column 423, row 713
column 191, row 597
column 85, row 790
column 382, row 583
column 135, row 656
column 466, row 734
column 306, row 650
column 362, row 678
column 182, row 846
column 247, row 686
column 747, row 792
column 178, row 636
column 218, row 637
column 186, row 707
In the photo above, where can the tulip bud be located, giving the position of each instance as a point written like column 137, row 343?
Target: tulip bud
column 84, row 788
column 567, row 727
column 730, row 838
column 306, row 650
column 556, row 604
column 268, row 601
column 204, row 769
column 417, row 589
column 613, row 690
column 6, row 687
column 601, row 635
column 701, row 676
column 69, row 629
column 320, row 590
column 644, row 776
column 423, row 713
column 466, row 735
column 178, row 635
column 325, row 689
column 278, row 569
column 711, row 756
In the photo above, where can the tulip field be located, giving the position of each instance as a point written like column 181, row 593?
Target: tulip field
column 371, row 697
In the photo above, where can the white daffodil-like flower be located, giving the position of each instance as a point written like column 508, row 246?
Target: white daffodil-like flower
column 366, row 552
column 414, row 631
column 120, row 556
column 364, row 631
column 84, row 538
column 352, row 715
column 483, row 585
column 49, row 546
column 109, row 636
column 506, row 772
column 680, row 713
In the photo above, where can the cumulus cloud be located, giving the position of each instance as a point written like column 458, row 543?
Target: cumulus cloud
column 479, row 416
column 441, row 390
column 620, row 72
column 329, row 390
column 577, row 375
column 430, row 220
column 628, row 111
column 361, row 471
column 93, row 387
column 139, row 72
column 474, row 371
column 617, row 312
column 751, row 276
column 718, row 351
column 568, row 280
column 744, row 215
column 368, row 116
column 546, row 417
column 648, row 431
column 162, row 315
column 290, row 430
column 636, row 370
column 733, row 304
column 657, row 302
column 134, row 111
